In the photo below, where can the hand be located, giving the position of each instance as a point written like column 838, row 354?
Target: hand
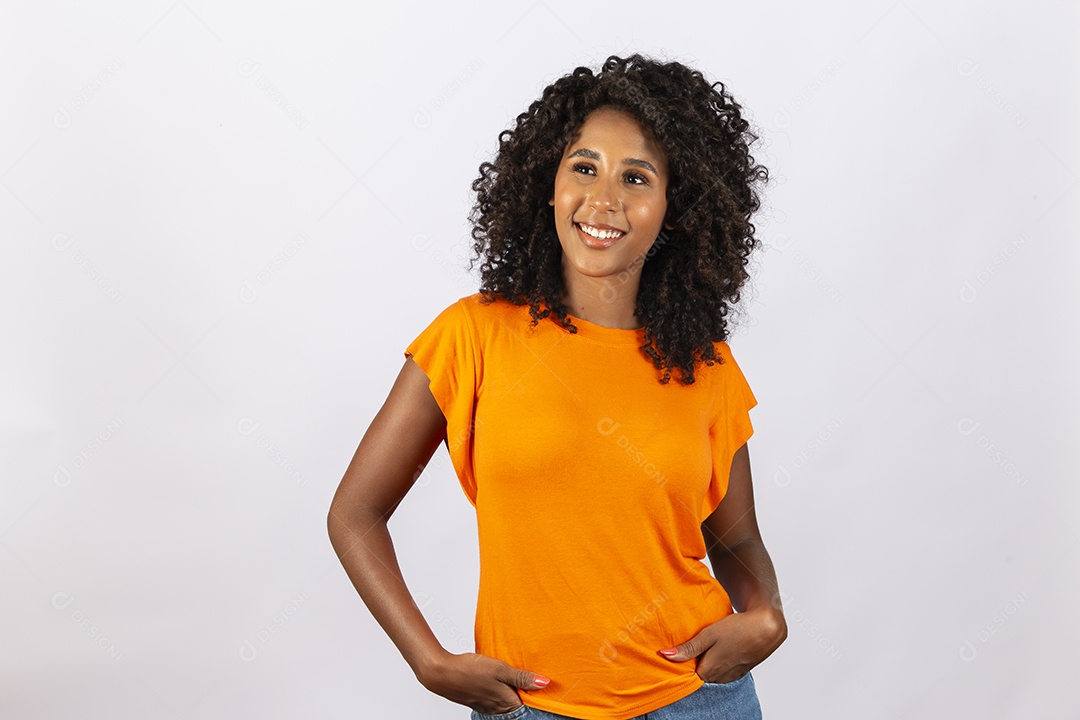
column 730, row 647
column 481, row 682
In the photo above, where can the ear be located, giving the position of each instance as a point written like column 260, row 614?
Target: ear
column 551, row 202
column 668, row 227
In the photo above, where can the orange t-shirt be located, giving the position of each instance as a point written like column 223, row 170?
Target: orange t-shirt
column 590, row 482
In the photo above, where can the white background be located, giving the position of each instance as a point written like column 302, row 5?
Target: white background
column 222, row 225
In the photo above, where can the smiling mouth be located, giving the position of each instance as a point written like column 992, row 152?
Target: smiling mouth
column 600, row 233
column 599, row 238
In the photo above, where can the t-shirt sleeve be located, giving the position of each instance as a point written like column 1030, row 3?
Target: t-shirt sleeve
column 731, row 427
column 446, row 352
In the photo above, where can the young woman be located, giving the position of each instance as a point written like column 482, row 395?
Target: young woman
column 594, row 414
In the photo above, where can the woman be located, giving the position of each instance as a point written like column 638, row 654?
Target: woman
column 614, row 228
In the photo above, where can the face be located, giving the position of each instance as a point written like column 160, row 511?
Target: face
column 610, row 199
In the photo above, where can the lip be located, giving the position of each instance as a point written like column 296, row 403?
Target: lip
column 600, row 226
column 596, row 243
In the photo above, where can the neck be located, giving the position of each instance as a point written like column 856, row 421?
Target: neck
column 603, row 301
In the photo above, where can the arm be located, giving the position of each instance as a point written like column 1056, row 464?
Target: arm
column 392, row 454
column 394, row 450
column 730, row 647
column 738, row 556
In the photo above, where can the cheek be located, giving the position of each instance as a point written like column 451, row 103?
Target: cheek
column 565, row 200
column 651, row 215
column 559, row 192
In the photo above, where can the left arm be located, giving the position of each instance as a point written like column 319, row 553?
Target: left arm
column 730, row 647
column 739, row 559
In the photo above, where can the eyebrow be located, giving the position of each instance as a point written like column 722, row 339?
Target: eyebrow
column 636, row 162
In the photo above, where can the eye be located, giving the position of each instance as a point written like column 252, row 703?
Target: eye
column 635, row 178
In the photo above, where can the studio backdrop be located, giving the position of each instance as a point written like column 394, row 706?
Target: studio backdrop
column 222, row 223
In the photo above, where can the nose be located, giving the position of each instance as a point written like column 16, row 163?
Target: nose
column 605, row 196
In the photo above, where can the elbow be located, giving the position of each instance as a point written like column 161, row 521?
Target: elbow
column 339, row 523
column 776, row 625
column 333, row 526
column 344, row 525
column 331, row 521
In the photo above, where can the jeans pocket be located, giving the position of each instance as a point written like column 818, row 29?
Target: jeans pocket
column 518, row 712
column 732, row 683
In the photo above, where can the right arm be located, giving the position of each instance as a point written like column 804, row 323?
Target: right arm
column 393, row 452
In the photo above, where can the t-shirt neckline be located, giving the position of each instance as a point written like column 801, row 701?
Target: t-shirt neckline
column 627, row 337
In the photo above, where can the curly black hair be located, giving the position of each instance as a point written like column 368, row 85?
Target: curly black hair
column 693, row 274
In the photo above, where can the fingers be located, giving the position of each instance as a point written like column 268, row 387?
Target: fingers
column 523, row 679
column 539, row 681
column 691, row 648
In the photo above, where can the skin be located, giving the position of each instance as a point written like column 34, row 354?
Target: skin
column 730, row 647
column 391, row 456
column 597, row 186
column 612, row 173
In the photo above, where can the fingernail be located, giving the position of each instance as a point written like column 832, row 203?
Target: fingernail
column 541, row 681
column 669, row 652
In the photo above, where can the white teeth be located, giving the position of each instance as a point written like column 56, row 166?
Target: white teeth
column 600, row 234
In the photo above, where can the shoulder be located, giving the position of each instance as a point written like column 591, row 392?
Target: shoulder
column 464, row 307
column 471, row 304
column 472, row 315
column 723, row 352
column 722, row 348
column 726, row 366
column 481, row 311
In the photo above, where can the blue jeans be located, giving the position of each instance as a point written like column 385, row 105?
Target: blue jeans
column 736, row 700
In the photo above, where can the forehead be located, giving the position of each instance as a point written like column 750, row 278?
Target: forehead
column 618, row 130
